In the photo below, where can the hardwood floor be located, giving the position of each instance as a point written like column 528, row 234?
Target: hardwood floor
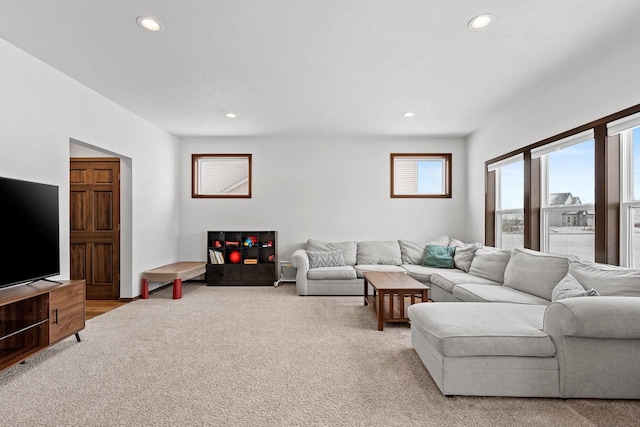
column 96, row 307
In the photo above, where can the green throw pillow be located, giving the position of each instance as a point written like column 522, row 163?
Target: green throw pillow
column 439, row 256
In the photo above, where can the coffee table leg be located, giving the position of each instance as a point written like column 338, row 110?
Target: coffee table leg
column 366, row 292
column 380, row 310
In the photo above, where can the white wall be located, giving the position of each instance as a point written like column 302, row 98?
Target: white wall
column 41, row 109
column 330, row 189
column 602, row 87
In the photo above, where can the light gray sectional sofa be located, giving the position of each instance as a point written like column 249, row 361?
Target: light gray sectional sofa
column 506, row 323
column 357, row 257
column 475, row 268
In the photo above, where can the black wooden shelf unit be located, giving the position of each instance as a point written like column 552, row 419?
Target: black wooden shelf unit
column 242, row 257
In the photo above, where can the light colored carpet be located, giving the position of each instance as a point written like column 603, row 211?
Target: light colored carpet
column 257, row 356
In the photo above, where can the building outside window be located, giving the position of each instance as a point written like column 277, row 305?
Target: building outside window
column 568, row 194
column 509, row 202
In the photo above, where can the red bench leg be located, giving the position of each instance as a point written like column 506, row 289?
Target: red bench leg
column 177, row 288
column 145, row 289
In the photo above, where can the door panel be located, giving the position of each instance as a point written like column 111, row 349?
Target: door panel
column 102, row 261
column 95, row 222
column 103, row 213
column 78, row 261
column 77, row 211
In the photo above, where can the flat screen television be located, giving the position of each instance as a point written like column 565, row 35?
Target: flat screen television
column 31, row 231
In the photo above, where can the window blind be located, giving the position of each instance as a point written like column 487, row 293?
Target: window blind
column 562, row 143
column 504, row 162
column 405, row 171
column 625, row 123
column 222, row 175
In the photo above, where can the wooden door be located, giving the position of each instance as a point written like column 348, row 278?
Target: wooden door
column 95, row 225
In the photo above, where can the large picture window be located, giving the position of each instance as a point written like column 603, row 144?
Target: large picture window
column 628, row 130
column 634, row 206
column 509, row 202
column 421, row 175
column 581, row 192
column 568, row 209
column 221, row 175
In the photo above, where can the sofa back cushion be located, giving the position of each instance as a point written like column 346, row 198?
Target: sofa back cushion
column 490, row 263
column 465, row 252
column 348, row 249
column 536, row 273
column 379, row 252
column 413, row 252
column 607, row 279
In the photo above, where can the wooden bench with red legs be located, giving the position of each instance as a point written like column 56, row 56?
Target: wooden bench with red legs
column 176, row 273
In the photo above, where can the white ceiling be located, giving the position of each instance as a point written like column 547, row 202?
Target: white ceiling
column 318, row 67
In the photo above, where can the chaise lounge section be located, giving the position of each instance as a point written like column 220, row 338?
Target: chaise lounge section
column 584, row 343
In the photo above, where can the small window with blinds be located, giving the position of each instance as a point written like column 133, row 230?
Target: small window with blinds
column 221, row 176
column 420, row 175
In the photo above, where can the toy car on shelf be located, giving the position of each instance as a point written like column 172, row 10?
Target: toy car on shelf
column 251, row 241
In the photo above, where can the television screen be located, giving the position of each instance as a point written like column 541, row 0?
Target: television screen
column 31, row 238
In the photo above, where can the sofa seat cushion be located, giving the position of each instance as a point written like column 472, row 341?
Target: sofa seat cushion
column 361, row 269
column 342, row 272
column 420, row 272
column 489, row 293
column 477, row 329
column 447, row 279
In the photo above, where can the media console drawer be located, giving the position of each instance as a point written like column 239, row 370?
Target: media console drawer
column 66, row 311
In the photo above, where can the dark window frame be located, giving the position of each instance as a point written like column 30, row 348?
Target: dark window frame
column 607, row 189
column 195, row 191
column 448, row 172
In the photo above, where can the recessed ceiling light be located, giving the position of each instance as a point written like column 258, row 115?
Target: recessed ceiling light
column 480, row 21
column 409, row 114
column 149, row 23
column 230, row 116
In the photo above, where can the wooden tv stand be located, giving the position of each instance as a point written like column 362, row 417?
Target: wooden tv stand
column 37, row 315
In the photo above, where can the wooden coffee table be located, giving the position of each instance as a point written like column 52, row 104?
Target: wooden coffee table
column 392, row 289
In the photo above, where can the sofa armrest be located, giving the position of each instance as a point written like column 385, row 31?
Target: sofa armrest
column 300, row 260
column 593, row 317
